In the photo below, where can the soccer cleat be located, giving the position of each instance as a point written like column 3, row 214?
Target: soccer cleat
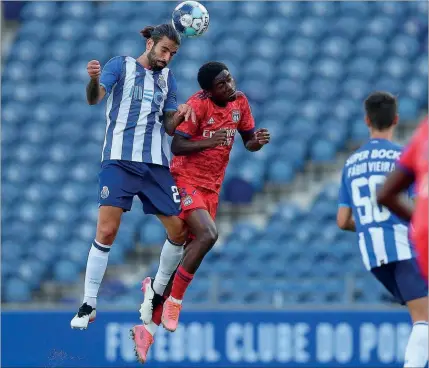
column 84, row 316
column 151, row 300
column 170, row 314
column 142, row 342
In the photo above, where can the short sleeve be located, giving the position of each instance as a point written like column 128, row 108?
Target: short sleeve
column 188, row 128
column 407, row 159
column 111, row 73
column 247, row 123
column 171, row 102
column 343, row 195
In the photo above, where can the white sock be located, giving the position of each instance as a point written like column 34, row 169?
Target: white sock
column 416, row 353
column 151, row 328
column 170, row 258
column 95, row 268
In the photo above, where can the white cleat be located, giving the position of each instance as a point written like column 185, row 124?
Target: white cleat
column 84, row 316
column 151, row 300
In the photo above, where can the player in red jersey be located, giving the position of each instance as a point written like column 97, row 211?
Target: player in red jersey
column 201, row 152
column 412, row 166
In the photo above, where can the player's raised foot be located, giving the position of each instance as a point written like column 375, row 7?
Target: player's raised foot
column 84, row 316
column 151, row 300
column 142, row 342
column 170, row 314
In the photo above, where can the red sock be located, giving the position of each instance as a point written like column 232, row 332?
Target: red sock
column 181, row 281
column 157, row 313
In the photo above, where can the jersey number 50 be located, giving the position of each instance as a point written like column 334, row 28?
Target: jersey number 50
column 367, row 207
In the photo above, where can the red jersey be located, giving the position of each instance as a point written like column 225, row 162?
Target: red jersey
column 206, row 169
column 415, row 161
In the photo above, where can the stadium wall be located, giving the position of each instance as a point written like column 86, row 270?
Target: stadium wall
column 335, row 338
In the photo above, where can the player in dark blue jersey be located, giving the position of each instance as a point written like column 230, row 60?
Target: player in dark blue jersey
column 382, row 236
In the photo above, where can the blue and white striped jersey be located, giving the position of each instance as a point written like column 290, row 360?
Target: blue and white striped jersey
column 382, row 236
column 137, row 100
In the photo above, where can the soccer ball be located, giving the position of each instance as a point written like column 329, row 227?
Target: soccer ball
column 190, row 19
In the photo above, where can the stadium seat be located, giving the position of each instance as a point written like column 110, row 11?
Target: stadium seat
column 16, row 291
column 152, row 232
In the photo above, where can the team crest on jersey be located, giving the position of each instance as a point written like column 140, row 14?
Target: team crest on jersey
column 158, row 98
column 161, row 82
column 211, row 121
column 235, row 116
column 187, row 201
column 104, row 192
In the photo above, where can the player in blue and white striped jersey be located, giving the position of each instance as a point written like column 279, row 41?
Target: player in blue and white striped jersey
column 383, row 237
column 141, row 111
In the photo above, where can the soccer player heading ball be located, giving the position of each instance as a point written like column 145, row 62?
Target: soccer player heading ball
column 383, row 236
column 201, row 152
column 141, row 110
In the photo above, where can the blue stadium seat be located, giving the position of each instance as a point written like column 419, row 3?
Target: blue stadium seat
column 106, row 29
column 289, row 10
column 16, row 291
column 322, row 151
column 324, row 9
column 280, row 172
column 381, row 27
column 17, row 71
column 49, row 70
column 313, row 27
column 65, row 271
column 152, row 232
column 26, row 31
column 347, row 26
column 43, row 11
column 301, row 47
column 70, row 30
column 81, row 10
column 294, row 68
column 371, row 46
column 408, row 108
column 58, row 50
column 356, row 9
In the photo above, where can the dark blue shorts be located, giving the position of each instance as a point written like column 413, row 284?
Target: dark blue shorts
column 119, row 181
column 403, row 280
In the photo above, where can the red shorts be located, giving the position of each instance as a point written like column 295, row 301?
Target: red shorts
column 193, row 198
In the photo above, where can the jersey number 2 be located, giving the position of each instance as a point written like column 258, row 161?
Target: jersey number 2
column 176, row 195
column 367, row 207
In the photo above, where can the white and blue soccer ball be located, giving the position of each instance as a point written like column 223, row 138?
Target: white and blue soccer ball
column 190, row 19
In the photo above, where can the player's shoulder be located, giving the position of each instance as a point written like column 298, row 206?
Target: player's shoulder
column 241, row 97
column 201, row 97
column 386, row 145
column 118, row 60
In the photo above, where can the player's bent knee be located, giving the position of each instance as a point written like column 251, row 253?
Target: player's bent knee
column 106, row 233
column 178, row 234
column 209, row 237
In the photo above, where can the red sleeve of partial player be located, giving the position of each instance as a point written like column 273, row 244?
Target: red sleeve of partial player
column 408, row 157
column 247, row 123
column 188, row 128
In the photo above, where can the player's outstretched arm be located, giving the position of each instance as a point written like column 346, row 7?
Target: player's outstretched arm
column 94, row 91
column 183, row 146
column 255, row 141
column 389, row 195
column 172, row 119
